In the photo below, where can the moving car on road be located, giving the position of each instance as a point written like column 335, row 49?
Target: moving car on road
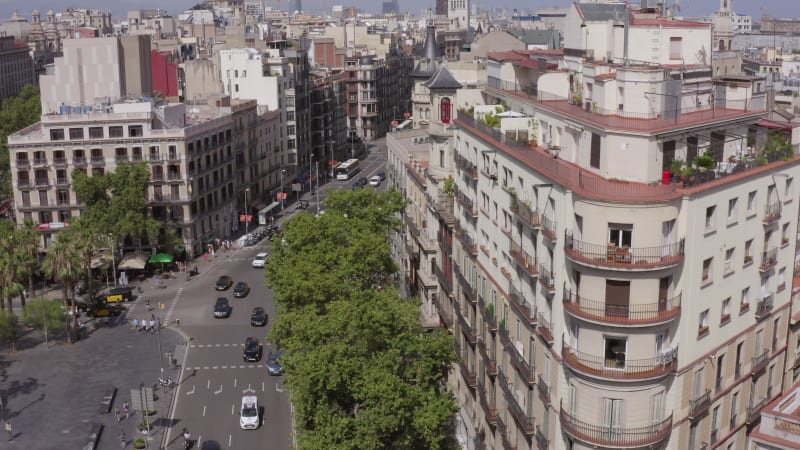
column 274, row 366
column 252, row 350
column 259, row 317
column 222, row 308
column 375, row 181
column 259, row 261
column 248, row 417
column 223, row 283
column 241, row 290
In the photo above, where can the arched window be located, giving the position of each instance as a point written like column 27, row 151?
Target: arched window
column 444, row 110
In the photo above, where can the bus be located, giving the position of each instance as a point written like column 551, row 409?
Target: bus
column 347, row 169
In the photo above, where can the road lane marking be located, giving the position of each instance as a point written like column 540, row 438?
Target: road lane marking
column 219, row 391
column 277, row 389
column 190, row 392
column 233, row 409
column 262, row 386
column 209, row 384
column 230, row 439
column 204, row 410
column 234, row 381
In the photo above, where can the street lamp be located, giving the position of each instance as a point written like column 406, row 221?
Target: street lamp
column 283, row 197
column 246, row 213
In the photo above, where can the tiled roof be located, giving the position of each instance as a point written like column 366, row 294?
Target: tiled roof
column 442, row 79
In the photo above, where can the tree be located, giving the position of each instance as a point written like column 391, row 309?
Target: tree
column 9, row 328
column 65, row 262
column 10, row 263
column 27, row 239
column 116, row 203
column 363, row 372
column 45, row 315
column 16, row 113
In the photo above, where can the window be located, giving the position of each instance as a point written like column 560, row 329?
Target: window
column 745, row 302
column 57, row 134
column 781, row 279
column 751, row 203
column 703, row 328
column 748, row 252
column 594, row 157
column 96, row 133
column 729, row 258
column 725, row 315
column 692, row 435
column 711, row 218
column 785, row 234
column 714, row 423
column 621, row 235
column 612, row 415
column 733, row 210
column 776, row 326
column 787, row 191
column 737, row 369
column 675, row 50
column 115, row 132
column 444, row 110
column 76, row 133
column 734, row 405
column 707, row 271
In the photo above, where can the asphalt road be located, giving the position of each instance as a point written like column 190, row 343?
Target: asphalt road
column 214, row 377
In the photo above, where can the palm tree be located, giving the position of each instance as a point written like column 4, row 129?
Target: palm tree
column 9, row 266
column 27, row 241
column 63, row 263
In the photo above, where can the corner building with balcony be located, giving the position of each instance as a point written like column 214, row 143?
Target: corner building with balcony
column 616, row 305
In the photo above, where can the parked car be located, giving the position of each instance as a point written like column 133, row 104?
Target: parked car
column 248, row 415
column 375, row 181
column 119, row 294
column 223, row 283
column 211, row 445
column 105, row 311
column 259, row 317
column 241, row 290
column 274, row 366
column 382, row 174
column 252, row 350
column 222, row 308
column 259, row 261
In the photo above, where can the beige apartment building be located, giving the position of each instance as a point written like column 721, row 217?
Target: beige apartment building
column 16, row 68
column 597, row 299
column 203, row 156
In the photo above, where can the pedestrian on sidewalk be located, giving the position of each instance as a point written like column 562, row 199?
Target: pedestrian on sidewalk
column 126, row 410
column 9, row 431
column 152, row 326
column 122, row 439
column 117, row 415
column 136, row 324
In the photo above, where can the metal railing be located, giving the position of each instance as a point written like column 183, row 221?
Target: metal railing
column 754, row 411
column 619, row 367
column 523, row 259
column 699, row 404
column 523, row 420
column 549, row 228
column 467, row 203
column 520, row 305
column 626, row 314
column 444, row 279
column 546, row 278
column 764, row 307
column 609, row 255
column 525, row 213
column 772, row 212
column 467, row 166
column 769, row 258
column 543, row 328
column 759, row 362
column 615, row 435
column 462, row 235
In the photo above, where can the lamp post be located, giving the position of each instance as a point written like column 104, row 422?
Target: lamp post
column 283, row 171
column 316, row 174
column 310, row 161
column 246, row 213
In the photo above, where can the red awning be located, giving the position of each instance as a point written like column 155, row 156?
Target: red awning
column 772, row 125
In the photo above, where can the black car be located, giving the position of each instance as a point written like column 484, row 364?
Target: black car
column 274, row 366
column 252, row 350
column 211, row 445
column 258, row 318
column 222, row 308
column 241, row 289
column 362, row 181
column 223, row 283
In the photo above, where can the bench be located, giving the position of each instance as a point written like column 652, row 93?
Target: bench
column 108, row 400
column 93, row 437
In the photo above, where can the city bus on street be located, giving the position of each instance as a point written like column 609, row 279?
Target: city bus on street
column 347, row 169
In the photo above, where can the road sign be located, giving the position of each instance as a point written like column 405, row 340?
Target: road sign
column 245, row 217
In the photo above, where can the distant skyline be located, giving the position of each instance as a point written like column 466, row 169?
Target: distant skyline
column 755, row 8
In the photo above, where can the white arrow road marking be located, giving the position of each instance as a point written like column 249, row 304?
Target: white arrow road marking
column 249, row 389
column 278, row 389
column 219, row 391
column 190, row 392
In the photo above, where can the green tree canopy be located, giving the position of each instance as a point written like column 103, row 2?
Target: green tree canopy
column 116, row 202
column 362, row 371
column 16, row 113
column 46, row 315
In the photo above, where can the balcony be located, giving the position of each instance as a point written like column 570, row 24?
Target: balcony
column 544, row 330
column 619, row 367
column 412, row 227
column 615, row 436
column 466, row 327
column 489, row 358
column 522, row 419
column 524, row 369
column 645, row 314
column 60, row 161
column 79, row 161
column 466, row 240
column 98, row 160
column 521, row 306
column 488, row 406
column 445, row 315
column 769, row 259
column 467, row 374
column 119, row 159
column 39, row 162
column 542, row 443
column 698, row 406
column 488, row 313
column 523, row 260
column 525, row 214
column 624, row 258
column 444, row 279
column 467, row 203
column 546, row 279
column 549, row 229
column 764, row 307
column 466, row 166
column 23, row 163
column 772, row 213
column 469, row 291
column 544, row 389
column 62, row 181
column 42, row 182
column 759, row 362
column 754, row 411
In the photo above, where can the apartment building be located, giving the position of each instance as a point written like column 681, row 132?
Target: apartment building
column 16, row 68
column 202, row 156
column 596, row 300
